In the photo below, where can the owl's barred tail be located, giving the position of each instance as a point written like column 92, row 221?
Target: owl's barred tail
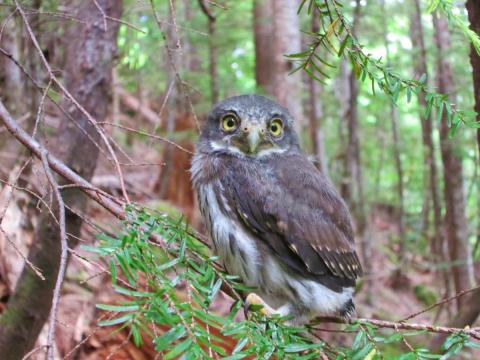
column 348, row 310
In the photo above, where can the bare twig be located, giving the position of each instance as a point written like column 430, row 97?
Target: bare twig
column 40, row 108
column 147, row 134
column 104, row 15
column 63, row 254
column 456, row 296
column 33, row 351
column 401, row 325
column 6, row 21
column 35, row 269
column 59, row 167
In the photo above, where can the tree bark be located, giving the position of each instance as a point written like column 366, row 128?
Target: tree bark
column 175, row 103
column 354, row 194
column 212, row 50
column 455, row 217
column 396, row 150
column 277, row 33
column 263, row 29
column 10, row 75
column 473, row 8
column 430, row 173
column 316, row 113
column 352, row 189
column 89, row 58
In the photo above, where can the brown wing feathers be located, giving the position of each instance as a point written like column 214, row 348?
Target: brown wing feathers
column 308, row 240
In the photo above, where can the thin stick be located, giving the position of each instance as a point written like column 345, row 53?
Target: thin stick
column 456, row 296
column 104, row 16
column 58, row 166
column 400, row 325
column 63, row 254
column 33, row 351
column 35, row 269
column 147, row 134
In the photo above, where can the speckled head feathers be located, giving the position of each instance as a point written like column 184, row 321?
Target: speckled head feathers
column 252, row 113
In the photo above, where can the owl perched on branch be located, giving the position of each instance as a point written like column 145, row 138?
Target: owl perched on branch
column 273, row 218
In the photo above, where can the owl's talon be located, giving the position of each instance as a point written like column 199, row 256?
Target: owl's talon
column 255, row 302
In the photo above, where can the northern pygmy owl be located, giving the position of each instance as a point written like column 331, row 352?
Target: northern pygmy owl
column 273, row 218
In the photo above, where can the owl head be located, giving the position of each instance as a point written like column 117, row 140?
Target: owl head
column 249, row 125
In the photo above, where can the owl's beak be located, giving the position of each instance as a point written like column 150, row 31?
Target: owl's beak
column 254, row 137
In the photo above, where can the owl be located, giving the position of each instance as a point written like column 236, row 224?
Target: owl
column 274, row 220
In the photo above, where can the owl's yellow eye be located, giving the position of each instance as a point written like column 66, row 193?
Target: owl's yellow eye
column 230, row 123
column 276, row 127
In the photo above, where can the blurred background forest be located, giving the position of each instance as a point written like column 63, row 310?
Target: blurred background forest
column 117, row 90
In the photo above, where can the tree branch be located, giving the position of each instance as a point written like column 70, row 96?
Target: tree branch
column 114, row 207
column 206, row 10
column 63, row 254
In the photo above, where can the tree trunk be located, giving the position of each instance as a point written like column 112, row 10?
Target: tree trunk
column 420, row 61
column 473, row 8
column 89, row 57
column 175, row 102
column 455, row 217
column 353, row 166
column 353, row 170
column 263, row 30
column 212, row 50
column 277, row 33
column 10, row 75
column 316, row 113
column 396, row 151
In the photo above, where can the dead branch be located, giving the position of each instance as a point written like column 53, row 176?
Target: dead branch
column 399, row 326
column 113, row 206
column 149, row 135
column 444, row 301
column 63, row 254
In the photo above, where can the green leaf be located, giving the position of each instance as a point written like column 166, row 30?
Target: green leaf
column 137, row 337
column 118, row 308
column 240, row 345
column 296, row 348
column 113, row 271
column 124, row 291
column 409, row 94
column 116, row 321
column 346, row 42
column 168, row 264
column 162, row 342
column 360, row 355
column 214, row 290
column 423, row 79
column 358, row 340
column 178, row 349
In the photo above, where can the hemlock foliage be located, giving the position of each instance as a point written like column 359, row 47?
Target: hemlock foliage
column 169, row 280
